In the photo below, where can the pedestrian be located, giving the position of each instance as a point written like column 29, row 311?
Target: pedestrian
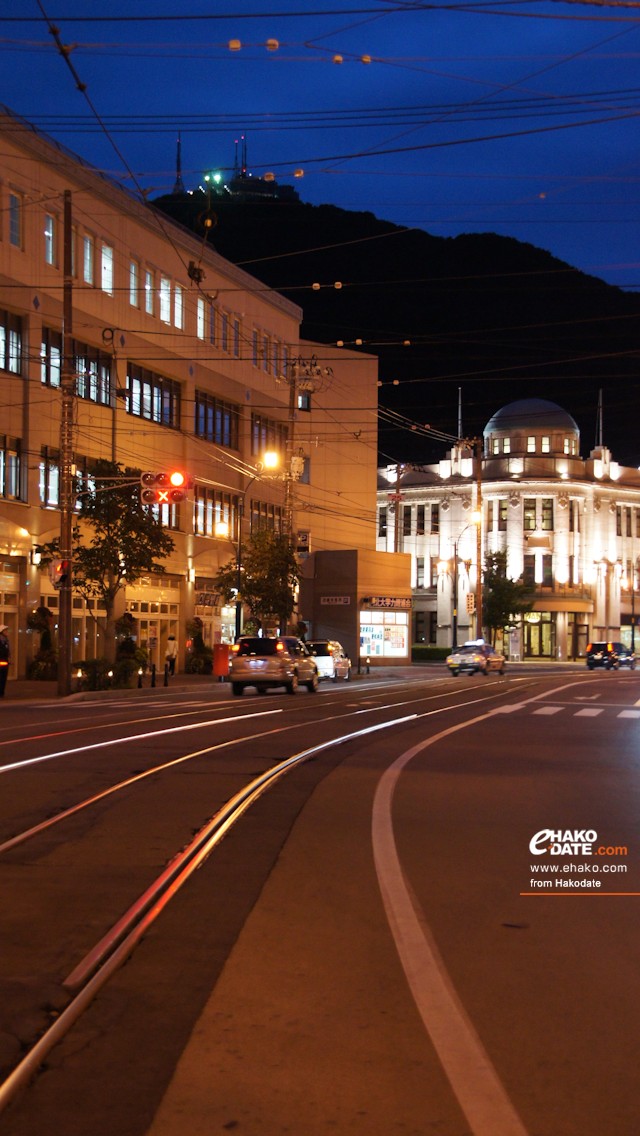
column 5, row 657
column 171, row 654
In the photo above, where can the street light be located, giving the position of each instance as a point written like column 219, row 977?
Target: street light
column 476, row 519
column 270, row 461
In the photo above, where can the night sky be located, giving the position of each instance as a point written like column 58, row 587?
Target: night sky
column 517, row 117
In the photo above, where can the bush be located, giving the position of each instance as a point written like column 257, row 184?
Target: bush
column 199, row 662
column 101, row 674
column 44, row 667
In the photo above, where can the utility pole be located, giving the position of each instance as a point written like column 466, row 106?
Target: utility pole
column 478, row 455
column 67, row 497
column 292, row 379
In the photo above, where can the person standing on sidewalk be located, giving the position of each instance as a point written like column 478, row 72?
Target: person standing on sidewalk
column 171, row 654
column 5, row 657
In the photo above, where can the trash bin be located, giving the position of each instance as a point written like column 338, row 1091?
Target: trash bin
column 221, row 661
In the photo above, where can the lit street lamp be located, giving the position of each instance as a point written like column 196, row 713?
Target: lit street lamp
column 270, row 461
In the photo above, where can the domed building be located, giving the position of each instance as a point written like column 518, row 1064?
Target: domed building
column 570, row 527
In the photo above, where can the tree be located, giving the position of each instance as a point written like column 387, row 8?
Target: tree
column 504, row 599
column 116, row 540
column 269, row 575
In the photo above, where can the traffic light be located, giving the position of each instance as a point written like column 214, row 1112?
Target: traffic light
column 59, row 572
column 166, row 488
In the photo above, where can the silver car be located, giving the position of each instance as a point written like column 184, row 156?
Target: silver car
column 331, row 658
column 263, row 663
column 475, row 657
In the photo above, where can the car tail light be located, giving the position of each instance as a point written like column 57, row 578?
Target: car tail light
column 279, row 646
column 235, row 647
column 609, row 646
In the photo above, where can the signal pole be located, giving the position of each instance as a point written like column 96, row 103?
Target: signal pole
column 67, row 497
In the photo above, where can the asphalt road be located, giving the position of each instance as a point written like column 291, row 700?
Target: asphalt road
column 370, row 950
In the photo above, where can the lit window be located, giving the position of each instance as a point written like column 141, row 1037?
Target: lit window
column 107, row 269
column 49, row 239
column 178, row 306
column 165, row 299
column 200, row 318
column 506, row 445
column 87, row 259
column 531, row 445
column 148, row 291
column 545, row 444
column 134, row 283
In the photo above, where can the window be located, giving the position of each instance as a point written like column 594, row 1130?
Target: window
column 495, row 446
column 618, row 520
column 435, row 518
column 134, row 283
column 49, row 239
column 254, row 347
column 178, row 307
column 236, row 338
column 152, row 396
column 547, row 571
column 267, row 434
column 529, row 571
column 506, row 445
column 566, row 449
column 10, row 343
column 106, row 269
column 212, row 507
column 224, row 331
column 265, row 352
column 15, row 220
column 88, row 257
column 217, row 421
column 149, row 287
column 545, row 444
column 420, row 520
column 263, row 515
column 531, row 445
column 433, row 571
column 382, row 522
column 49, row 477
column 406, row 520
column 629, row 521
column 275, row 356
column 200, row 318
column 93, row 373
column 165, row 299
column 547, row 514
column 529, row 514
column 50, row 357
column 10, row 465
column 303, row 400
column 503, row 506
column 419, row 571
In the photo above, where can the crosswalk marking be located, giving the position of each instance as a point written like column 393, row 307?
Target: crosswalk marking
column 629, row 714
column 590, row 712
column 548, row 710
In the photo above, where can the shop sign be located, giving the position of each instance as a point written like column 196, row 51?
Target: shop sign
column 335, row 601
column 398, row 603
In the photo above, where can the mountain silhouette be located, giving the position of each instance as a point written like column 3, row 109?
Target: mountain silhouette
column 478, row 319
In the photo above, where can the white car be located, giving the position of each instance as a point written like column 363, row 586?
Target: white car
column 476, row 656
column 331, row 659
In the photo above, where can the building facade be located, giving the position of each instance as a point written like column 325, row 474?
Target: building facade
column 180, row 360
column 570, row 528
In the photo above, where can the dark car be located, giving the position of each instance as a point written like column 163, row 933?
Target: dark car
column 611, row 656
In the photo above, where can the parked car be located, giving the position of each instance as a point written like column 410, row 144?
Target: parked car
column 610, row 655
column 331, row 658
column 478, row 656
column 263, row 663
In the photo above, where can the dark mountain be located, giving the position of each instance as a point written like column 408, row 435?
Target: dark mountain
column 494, row 317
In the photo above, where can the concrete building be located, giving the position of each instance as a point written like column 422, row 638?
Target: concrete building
column 570, row 527
column 181, row 360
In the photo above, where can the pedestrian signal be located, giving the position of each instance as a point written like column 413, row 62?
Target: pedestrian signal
column 59, row 572
column 166, row 488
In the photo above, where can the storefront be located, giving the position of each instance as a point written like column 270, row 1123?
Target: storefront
column 385, row 628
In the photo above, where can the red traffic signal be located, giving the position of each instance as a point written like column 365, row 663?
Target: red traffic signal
column 166, row 488
column 59, row 572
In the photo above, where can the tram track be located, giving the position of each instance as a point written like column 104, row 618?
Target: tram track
column 102, row 961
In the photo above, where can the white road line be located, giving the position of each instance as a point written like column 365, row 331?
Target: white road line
column 474, row 1080
column 629, row 714
column 549, row 710
column 589, row 712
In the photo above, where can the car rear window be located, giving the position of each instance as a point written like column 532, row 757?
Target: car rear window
column 320, row 649
column 257, row 646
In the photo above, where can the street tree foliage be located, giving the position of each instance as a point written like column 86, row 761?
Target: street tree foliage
column 269, row 575
column 504, row 599
column 116, row 540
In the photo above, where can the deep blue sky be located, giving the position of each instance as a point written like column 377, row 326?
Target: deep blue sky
column 513, row 117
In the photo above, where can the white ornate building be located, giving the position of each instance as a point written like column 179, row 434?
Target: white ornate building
column 570, row 527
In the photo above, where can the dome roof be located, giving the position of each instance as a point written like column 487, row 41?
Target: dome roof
column 531, row 414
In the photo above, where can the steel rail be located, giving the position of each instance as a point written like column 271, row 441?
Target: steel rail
column 108, row 956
